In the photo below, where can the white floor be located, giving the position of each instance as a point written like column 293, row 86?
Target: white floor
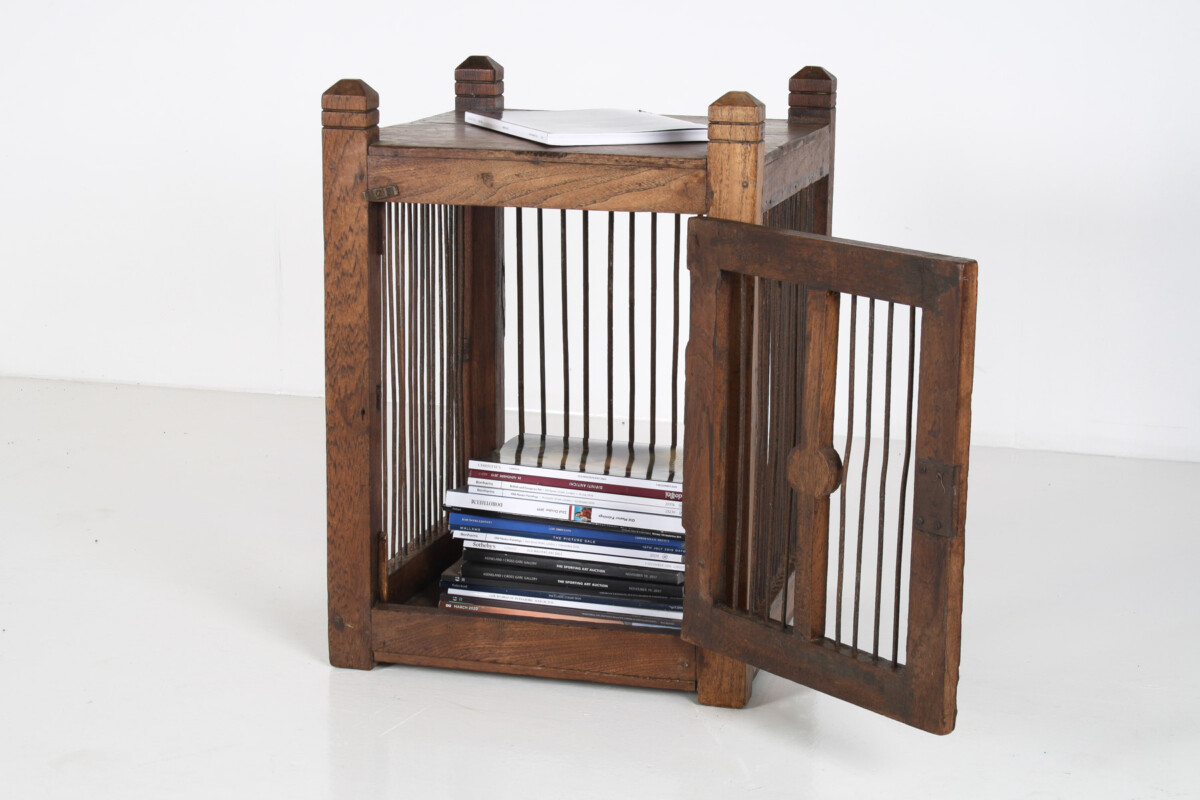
column 162, row 634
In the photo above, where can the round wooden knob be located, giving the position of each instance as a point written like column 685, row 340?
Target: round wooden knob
column 815, row 471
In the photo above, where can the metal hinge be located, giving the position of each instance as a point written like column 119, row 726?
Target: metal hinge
column 380, row 193
column 935, row 498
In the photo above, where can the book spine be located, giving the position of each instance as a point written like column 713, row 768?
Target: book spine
column 615, row 502
column 590, row 584
column 580, row 514
column 550, row 600
column 517, row 538
column 631, row 547
column 568, row 534
column 584, row 483
column 530, row 558
column 516, row 523
column 615, row 481
column 459, row 603
column 641, row 603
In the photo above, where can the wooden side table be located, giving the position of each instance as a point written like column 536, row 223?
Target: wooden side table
column 415, row 386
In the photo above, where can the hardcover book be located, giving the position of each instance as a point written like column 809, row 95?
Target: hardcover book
column 455, row 602
column 632, row 466
column 616, row 502
column 545, row 558
column 502, row 537
column 580, row 534
column 591, row 126
column 566, row 581
column 566, row 512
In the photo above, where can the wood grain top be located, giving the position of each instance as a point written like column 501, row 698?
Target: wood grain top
column 447, row 136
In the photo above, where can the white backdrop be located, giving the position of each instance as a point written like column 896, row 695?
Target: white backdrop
column 160, row 186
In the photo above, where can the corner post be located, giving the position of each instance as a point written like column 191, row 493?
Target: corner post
column 735, row 192
column 479, row 86
column 350, row 114
column 812, row 98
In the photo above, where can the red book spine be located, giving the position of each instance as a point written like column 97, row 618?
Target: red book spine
column 576, row 483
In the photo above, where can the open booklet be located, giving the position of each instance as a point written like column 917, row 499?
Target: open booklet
column 595, row 126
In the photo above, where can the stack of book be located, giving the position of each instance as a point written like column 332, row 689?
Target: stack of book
column 570, row 529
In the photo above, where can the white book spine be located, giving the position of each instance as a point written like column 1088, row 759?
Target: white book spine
column 568, row 512
column 532, row 491
column 551, row 472
column 573, row 547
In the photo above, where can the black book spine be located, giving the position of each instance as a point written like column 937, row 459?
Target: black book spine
column 590, row 584
column 597, row 569
column 575, row 595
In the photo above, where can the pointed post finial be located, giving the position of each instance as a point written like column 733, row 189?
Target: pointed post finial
column 479, row 85
column 350, row 103
column 812, row 95
column 735, row 157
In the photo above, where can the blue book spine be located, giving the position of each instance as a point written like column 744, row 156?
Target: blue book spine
column 563, row 533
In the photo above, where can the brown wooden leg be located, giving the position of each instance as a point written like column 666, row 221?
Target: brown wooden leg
column 721, row 680
column 350, row 115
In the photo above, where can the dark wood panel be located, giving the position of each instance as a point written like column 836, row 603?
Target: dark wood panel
column 819, row 262
column 587, row 652
column 484, row 179
column 536, row 671
column 804, row 158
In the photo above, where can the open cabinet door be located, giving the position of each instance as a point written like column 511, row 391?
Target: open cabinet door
column 837, row 564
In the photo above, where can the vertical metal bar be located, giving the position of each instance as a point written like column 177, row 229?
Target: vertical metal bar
column 520, row 212
column 908, row 421
column 415, row 369
column 675, row 348
column 587, row 342
column 610, row 327
column 653, row 329
column 383, row 393
column 541, row 264
column 395, row 385
column 431, row 249
column 426, row 341
column 883, row 467
column 414, row 349
column 862, row 492
column 566, row 346
column 841, row 573
column 632, row 345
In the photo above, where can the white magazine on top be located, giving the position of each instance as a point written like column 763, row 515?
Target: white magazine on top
column 592, row 126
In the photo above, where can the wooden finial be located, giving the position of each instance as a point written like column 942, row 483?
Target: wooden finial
column 479, row 85
column 812, row 95
column 736, row 117
column 350, row 103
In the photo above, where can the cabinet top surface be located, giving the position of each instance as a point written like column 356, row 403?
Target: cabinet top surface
column 448, row 133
